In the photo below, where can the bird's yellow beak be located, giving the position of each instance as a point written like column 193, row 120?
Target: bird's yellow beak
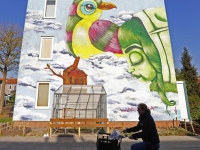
column 107, row 6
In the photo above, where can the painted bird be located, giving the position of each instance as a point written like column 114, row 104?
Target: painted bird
column 87, row 35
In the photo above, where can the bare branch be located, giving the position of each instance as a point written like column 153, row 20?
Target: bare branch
column 59, row 75
column 10, row 46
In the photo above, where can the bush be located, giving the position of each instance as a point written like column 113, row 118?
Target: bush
column 194, row 102
column 6, row 120
column 12, row 99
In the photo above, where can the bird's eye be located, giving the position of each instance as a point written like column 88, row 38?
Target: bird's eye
column 88, row 8
column 135, row 58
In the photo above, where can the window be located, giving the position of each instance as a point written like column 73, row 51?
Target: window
column 46, row 48
column 50, row 9
column 42, row 95
column 10, row 88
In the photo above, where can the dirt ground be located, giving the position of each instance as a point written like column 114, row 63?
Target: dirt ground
column 37, row 132
column 40, row 132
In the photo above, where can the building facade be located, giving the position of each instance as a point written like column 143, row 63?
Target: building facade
column 57, row 31
column 10, row 87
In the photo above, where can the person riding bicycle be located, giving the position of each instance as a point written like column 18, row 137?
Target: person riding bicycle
column 149, row 132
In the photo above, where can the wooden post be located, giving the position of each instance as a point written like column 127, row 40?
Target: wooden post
column 192, row 127
column 176, row 122
column 167, row 128
column 185, row 124
column 79, row 131
column 12, row 125
column 23, row 129
column 108, row 128
column 0, row 128
column 7, row 125
column 122, row 125
column 20, row 125
column 50, row 130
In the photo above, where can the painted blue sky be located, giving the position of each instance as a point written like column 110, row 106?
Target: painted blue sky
column 183, row 19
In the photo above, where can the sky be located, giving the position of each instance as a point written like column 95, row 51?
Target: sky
column 183, row 20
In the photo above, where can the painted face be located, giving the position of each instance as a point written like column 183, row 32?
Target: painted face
column 139, row 65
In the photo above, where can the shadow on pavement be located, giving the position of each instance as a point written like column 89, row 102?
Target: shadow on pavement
column 88, row 141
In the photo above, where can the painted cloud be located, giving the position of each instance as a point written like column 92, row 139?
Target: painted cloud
column 34, row 22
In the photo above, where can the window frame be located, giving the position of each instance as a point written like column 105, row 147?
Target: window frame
column 36, row 99
column 41, row 45
column 45, row 4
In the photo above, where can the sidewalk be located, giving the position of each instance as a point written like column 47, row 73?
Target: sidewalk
column 88, row 142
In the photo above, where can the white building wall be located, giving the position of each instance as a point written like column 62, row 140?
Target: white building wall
column 31, row 69
column 124, row 92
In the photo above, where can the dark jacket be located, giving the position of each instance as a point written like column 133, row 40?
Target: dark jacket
column 147, row 125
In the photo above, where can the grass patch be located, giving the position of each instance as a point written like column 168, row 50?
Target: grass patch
column 173, row 132
column 168, row 87
column 5, row 120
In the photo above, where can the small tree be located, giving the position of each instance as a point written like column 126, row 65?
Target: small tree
column 179, row 76
column 189, row 74
column 12, row 98
column 10, row 47
column 194, row 102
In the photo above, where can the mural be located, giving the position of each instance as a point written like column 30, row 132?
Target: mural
column 87, row 35
column 71, row 75
column 124, row 46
